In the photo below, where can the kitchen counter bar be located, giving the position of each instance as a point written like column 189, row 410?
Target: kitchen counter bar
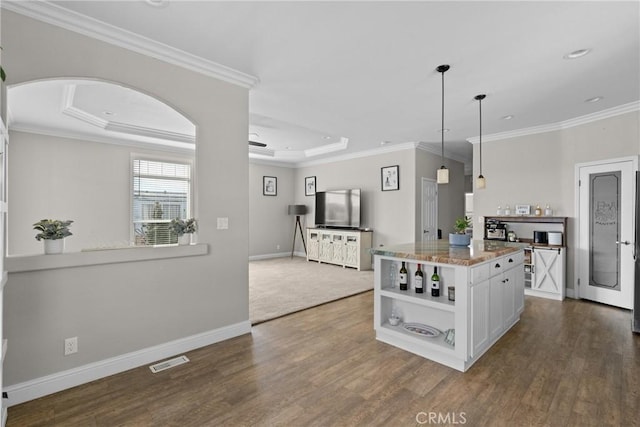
column 487, row 279
column 439, row 251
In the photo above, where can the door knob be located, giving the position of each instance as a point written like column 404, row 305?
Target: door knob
column 626, row 242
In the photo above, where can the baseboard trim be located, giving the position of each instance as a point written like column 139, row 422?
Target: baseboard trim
column 39, row 387
column 276, row 255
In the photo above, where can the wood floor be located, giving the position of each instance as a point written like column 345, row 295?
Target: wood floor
column 564, row 364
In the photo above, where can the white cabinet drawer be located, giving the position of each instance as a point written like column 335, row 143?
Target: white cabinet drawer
column 497, row 266
column 480, row 273
column 511, row 260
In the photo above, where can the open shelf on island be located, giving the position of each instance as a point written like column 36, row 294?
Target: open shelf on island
column 435, row 342
column 425, row 299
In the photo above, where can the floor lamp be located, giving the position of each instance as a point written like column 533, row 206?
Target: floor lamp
column 297, row 210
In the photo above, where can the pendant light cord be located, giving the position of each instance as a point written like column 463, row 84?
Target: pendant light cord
column 442, row 125
column 480, row 103
column 479, row 98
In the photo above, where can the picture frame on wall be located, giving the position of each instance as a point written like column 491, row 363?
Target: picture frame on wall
column 310, row 186
column 390, row 178
column 269, row 186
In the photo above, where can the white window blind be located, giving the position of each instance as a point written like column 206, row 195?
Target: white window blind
column 161, row 192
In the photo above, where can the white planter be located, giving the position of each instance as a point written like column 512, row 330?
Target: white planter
column 53, row 246
column 185, row 239
column 456, row 239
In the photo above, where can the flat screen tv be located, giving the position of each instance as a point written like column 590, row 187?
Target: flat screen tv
column 338, row 208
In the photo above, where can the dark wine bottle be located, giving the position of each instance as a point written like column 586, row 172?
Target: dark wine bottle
column 403, row 280
column 435, row 283
column 417, row 283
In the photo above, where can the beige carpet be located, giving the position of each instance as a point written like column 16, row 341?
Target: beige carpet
column 282, row 286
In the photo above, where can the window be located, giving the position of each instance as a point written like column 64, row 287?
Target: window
column 161, row 192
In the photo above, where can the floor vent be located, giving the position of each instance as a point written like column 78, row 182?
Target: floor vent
column 161, row 366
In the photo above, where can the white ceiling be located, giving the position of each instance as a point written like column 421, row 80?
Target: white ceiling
column 348, row 76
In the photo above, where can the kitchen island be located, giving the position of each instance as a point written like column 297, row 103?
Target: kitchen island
column 487, row 279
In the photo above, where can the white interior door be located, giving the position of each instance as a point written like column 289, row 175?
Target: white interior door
column 429, row 209
column 606, row 197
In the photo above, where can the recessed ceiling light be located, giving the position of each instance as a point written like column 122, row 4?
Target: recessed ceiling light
column 385, row 142
column 108, row 113
column 445, row 130
column 326, row 137
column 157, row 3
column 508, row 117
column 288, row 148
column 594, row 99
column 577, row 54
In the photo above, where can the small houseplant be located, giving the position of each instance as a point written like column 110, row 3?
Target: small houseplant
column 53, row 232
column 183, row 229
column 460, row 237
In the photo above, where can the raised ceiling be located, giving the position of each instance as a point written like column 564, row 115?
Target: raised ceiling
column 340, row 78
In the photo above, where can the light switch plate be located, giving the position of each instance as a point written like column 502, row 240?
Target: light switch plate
column 223, row 223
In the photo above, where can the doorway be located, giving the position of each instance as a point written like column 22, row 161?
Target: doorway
column 429, row 209
column 606, row 204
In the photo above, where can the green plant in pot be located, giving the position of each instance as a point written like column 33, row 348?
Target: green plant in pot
column 183, row 228
column 53, row 232
column 460, row 237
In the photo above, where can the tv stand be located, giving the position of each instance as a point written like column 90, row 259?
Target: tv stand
column 348, row 248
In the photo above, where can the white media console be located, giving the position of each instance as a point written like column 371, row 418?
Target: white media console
column 348, row 248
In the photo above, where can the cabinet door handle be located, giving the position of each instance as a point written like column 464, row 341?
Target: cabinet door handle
column 497, row 265
column 510, row 260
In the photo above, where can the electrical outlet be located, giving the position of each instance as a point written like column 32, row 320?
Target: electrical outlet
column 70, row 346
column 277, row 247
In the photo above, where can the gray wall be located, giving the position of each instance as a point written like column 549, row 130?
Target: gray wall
column 120, row 308
column 540, row 169
column 270, row 226
column 87, row 182
column 394, row 216
column 450, row 196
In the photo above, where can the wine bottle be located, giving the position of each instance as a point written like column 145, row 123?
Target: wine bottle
column 417, row 284
column 402, row 279
column 435, row 283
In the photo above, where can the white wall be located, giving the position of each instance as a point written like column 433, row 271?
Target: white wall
column 540, row 169
column 120, row 308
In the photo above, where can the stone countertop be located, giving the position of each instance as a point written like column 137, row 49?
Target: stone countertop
column 440, row 251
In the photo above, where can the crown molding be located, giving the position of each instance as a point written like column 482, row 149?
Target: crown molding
column 149, row 132
column 82, row 24
column 77, row 113
column 328, row 148
column 566, row 124
column 174, row 147
column 360, row 154
column 428, row 148
column 274, row 163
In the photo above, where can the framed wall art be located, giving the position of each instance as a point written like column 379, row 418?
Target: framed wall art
column 269, row 186
column 310, row 186
column 390, row 176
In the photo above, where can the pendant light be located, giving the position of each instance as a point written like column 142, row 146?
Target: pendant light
column 480, row 181
column 443, row 172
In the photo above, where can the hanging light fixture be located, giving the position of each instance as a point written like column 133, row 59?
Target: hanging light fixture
column 480, row 181
column 443, row 172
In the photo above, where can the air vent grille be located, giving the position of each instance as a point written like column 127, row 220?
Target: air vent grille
column 161, row 366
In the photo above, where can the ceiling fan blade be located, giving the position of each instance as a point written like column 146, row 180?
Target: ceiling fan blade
column 257, row 144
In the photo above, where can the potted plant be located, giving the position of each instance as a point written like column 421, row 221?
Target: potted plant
column 183, row 229
column 53, row 232
column 460, row 237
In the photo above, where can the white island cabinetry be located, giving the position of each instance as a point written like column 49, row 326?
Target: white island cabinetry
column 489, row 297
